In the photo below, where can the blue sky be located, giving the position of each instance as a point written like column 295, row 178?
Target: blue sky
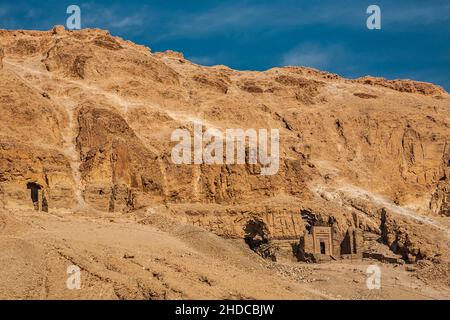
column 414, row 41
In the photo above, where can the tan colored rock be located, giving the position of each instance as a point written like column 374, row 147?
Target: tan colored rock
column 404, row 85
column 2, row 55
column 59, row 29
column 93, row 114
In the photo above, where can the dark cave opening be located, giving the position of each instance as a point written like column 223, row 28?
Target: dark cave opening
column 38, row 197
column 256, row 234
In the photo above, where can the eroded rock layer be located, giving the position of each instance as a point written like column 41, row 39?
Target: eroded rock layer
column 88, row 118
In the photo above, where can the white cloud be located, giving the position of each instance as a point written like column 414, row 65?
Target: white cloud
column 232, row 17
column 130, row 21
column 223, row 18
column 114, row 17
column 312, row 55
column 419, row 14
column 202, row 60
column 238, row 18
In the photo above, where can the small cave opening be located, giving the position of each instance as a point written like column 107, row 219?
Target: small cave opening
column 37, row 196
column 256, row 234
column 257, row 237
column 35, row 189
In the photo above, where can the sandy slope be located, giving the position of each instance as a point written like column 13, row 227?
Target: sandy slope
column 151, row 256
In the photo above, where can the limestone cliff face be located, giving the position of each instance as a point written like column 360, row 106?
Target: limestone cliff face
column 89, row 117
column 2, row 54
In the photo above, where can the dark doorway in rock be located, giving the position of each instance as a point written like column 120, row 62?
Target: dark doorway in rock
column 257, row 237
column 256, row 234
column 346, row 244
column 34, row 193
column 322, row 247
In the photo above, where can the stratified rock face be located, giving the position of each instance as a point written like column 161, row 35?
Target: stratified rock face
column 440, row 202
column 21, row 163
column 2, row 55
column 407, row 239
column 404, row 85
column 89, row 117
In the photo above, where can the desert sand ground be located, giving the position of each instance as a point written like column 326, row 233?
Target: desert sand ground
column 151, row 256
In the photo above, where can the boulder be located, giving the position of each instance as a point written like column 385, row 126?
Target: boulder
column 59, row 29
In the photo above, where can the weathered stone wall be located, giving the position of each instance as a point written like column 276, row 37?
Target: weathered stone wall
column 20, row 164
column 282, row 223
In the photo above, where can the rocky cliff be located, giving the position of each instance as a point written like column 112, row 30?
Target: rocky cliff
column 89, row 117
